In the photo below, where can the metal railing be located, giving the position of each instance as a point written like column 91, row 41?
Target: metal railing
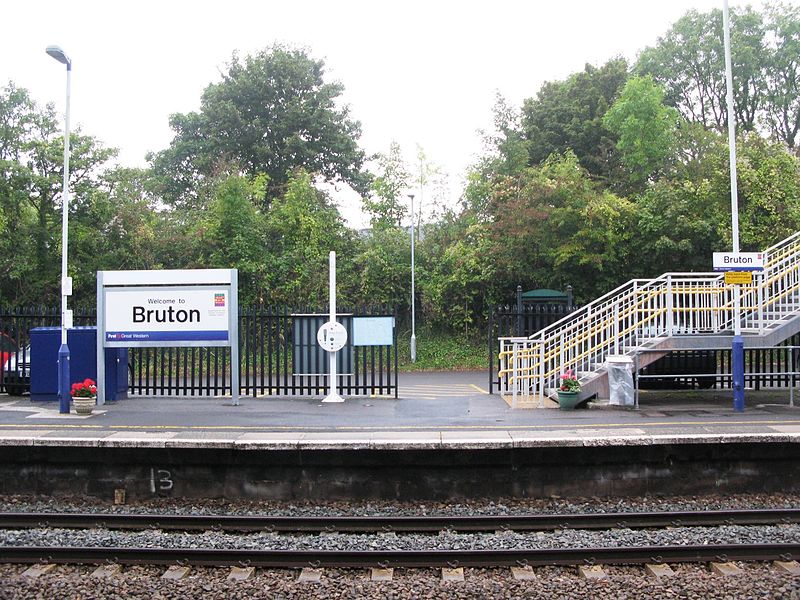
column 642, row 312
column 268, row 344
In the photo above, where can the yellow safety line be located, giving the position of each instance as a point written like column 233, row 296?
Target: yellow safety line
column 549, row 426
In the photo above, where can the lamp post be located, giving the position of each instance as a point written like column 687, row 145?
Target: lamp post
column 737, row 347
column 413, row 302
column 66, row 283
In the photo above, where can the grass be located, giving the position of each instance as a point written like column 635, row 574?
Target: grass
column 441, row 352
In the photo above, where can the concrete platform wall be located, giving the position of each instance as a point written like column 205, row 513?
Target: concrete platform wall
column 420, row 474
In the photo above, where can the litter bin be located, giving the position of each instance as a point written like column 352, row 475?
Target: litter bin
column 620, row 380
column 82, row 342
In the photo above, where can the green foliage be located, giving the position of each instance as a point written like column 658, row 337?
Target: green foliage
column 645, row 128
column 231, row 234
column 783, row 72
column 438, row 351
column 689, row 63
column 31, row 184
column 272, row 113
column 594, row 180
column 300, row 230
column 769, row 193
column 387, row 203
column 383, row 269
column 568, row 115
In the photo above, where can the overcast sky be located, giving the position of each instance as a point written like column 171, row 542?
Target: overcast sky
column 418, row 72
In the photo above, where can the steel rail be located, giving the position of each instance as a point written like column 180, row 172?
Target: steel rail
column 360, row 524
column 401, row 558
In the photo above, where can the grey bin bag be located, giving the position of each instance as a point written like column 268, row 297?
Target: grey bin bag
column 620, row 380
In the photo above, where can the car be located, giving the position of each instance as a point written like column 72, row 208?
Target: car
column 8, row 347
column 17, row 372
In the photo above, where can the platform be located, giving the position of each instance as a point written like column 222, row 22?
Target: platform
column 434, row 410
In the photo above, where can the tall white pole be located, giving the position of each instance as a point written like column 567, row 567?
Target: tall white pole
column 334, row 329
column 332, row 392
column 413, row 295
column 737, row 350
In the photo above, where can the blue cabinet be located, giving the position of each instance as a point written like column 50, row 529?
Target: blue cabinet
column 82, row 342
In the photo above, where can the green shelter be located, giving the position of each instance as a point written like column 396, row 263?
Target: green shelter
column 545, row 296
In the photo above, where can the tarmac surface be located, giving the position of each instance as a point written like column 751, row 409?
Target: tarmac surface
column 441, row 409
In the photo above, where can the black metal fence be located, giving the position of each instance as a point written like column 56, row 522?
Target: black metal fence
column 764, row 367
column 270, row 346
column 519, row 321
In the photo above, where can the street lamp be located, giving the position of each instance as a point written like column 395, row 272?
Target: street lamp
column 66, row 283
column 413, row 303
column 737, row 347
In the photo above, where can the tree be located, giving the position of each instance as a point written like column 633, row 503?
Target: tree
column 117, row 226
column 300, row 230
column 645, row 128
column 783, row 73
column 232, row 233
column 387, row 203
column 568, row 115
column 689, row 62
column 537, row 234
column 272, row 113
column 383, row 269
column 31, row 184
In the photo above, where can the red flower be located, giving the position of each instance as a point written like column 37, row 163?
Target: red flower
column 85, row 389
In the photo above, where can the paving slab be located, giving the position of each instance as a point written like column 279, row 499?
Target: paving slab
column 434, row 410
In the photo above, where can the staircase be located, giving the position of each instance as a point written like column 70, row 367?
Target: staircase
column 646, row 318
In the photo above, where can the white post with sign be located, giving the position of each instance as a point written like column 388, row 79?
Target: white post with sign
column 332, row 336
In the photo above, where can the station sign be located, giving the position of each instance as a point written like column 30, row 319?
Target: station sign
column 190, row 307
column 166, row 314
column 739, row 261
column 168, row 308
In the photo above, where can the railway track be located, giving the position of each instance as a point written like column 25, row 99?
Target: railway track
column 402, row 558
column 398, row 524
column 294, row 558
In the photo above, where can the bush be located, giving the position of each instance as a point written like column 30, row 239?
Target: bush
column 441, row 352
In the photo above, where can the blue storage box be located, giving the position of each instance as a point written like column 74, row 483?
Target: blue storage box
column 82, row 342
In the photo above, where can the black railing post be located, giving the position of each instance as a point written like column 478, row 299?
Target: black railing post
column 491, row 352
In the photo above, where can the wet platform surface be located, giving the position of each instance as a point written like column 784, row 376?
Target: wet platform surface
column 433, row 410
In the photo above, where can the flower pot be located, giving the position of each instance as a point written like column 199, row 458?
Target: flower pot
column 85, row 405
column 568, row 400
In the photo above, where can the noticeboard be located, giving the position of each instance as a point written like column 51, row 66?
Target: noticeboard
column 373, row 331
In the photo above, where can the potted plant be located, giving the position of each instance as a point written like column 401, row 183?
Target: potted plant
column 84, row 396
column 568, row 391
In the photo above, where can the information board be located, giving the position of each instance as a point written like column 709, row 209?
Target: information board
column 373, row 331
